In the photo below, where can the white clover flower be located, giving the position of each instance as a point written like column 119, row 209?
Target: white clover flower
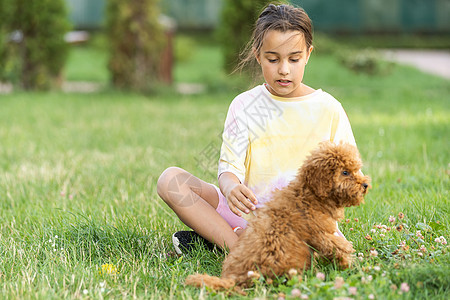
column 292, row 272
column 352, row 290
column 296, row 293
column 338, row 282
column 252, row 274
column 419, row 234
column 320, row 276
column 404, row 287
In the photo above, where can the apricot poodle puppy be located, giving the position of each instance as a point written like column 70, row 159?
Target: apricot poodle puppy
column 299, row 221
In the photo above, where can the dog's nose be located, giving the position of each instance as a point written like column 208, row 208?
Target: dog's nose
column 365, row 185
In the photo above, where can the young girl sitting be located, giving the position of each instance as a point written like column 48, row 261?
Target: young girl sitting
column 268, row 132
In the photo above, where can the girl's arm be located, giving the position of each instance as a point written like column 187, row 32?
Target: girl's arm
column 239, row 197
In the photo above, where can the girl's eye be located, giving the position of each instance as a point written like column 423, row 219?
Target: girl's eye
column 345, row 173
column 272, row 60
column 295, row 60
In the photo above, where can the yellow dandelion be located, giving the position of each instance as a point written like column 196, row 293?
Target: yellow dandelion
column 108, row 269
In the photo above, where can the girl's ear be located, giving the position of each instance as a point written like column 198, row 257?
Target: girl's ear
column 309, row 53
column 256, row 54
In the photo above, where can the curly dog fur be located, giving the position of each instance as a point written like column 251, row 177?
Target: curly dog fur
column 298, row 221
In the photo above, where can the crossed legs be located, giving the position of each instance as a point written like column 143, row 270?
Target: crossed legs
column 195, row 202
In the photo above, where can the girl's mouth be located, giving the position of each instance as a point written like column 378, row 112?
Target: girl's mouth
column 283, row 82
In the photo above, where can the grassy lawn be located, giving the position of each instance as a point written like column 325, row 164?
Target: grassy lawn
column 80, row 216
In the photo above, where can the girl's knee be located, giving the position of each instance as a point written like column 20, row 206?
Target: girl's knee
column 165, row 178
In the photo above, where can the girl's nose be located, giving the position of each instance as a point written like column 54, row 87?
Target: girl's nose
column 283, row 68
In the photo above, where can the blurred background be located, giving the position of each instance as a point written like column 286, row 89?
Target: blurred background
column 139, row 45
column 332, row 16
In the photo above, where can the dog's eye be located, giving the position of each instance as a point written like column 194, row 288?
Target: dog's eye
column 345, row 173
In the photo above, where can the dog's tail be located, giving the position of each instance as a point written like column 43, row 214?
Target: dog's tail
column 215, row 283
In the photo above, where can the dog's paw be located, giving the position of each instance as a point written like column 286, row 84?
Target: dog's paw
column 347, row 247
column 346, row 262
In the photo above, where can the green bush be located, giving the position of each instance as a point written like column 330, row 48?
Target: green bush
column 236, row 26
column 365, row 61
column 136, row 41
column 324, row 44
column 359, row 60
column 184, row 48
column 36, row 56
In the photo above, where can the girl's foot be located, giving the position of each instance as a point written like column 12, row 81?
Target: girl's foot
column 184, row 241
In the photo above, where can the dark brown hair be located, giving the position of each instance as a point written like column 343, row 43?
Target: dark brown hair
column 277, row 17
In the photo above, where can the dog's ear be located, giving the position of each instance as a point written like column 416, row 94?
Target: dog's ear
column 317, row 172
column 318, row 182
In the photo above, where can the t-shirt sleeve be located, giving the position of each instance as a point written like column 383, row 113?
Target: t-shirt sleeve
column 341, row 130
column 235, row 142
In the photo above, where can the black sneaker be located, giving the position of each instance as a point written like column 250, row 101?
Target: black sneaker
column 184, row 241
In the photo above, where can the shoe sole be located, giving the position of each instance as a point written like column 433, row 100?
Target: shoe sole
column 176, row 244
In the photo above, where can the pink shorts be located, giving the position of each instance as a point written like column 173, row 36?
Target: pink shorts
column 224, row 211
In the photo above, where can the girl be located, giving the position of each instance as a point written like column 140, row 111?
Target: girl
column 269, row 130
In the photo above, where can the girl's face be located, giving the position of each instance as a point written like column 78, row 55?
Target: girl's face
column 283, row 57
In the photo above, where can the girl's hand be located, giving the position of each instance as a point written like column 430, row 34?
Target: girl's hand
column 241, row 199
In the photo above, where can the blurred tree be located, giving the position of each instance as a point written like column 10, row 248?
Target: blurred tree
column 32, row 48
column 236, row 26
column 6, row 10
column 136, row 42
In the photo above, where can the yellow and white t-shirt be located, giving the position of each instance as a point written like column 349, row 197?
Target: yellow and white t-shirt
column 266, row 138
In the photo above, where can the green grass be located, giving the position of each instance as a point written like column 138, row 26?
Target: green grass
column 87, row 64
column 78, row 175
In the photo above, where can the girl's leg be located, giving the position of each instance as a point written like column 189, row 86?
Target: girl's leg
column 195, row 202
